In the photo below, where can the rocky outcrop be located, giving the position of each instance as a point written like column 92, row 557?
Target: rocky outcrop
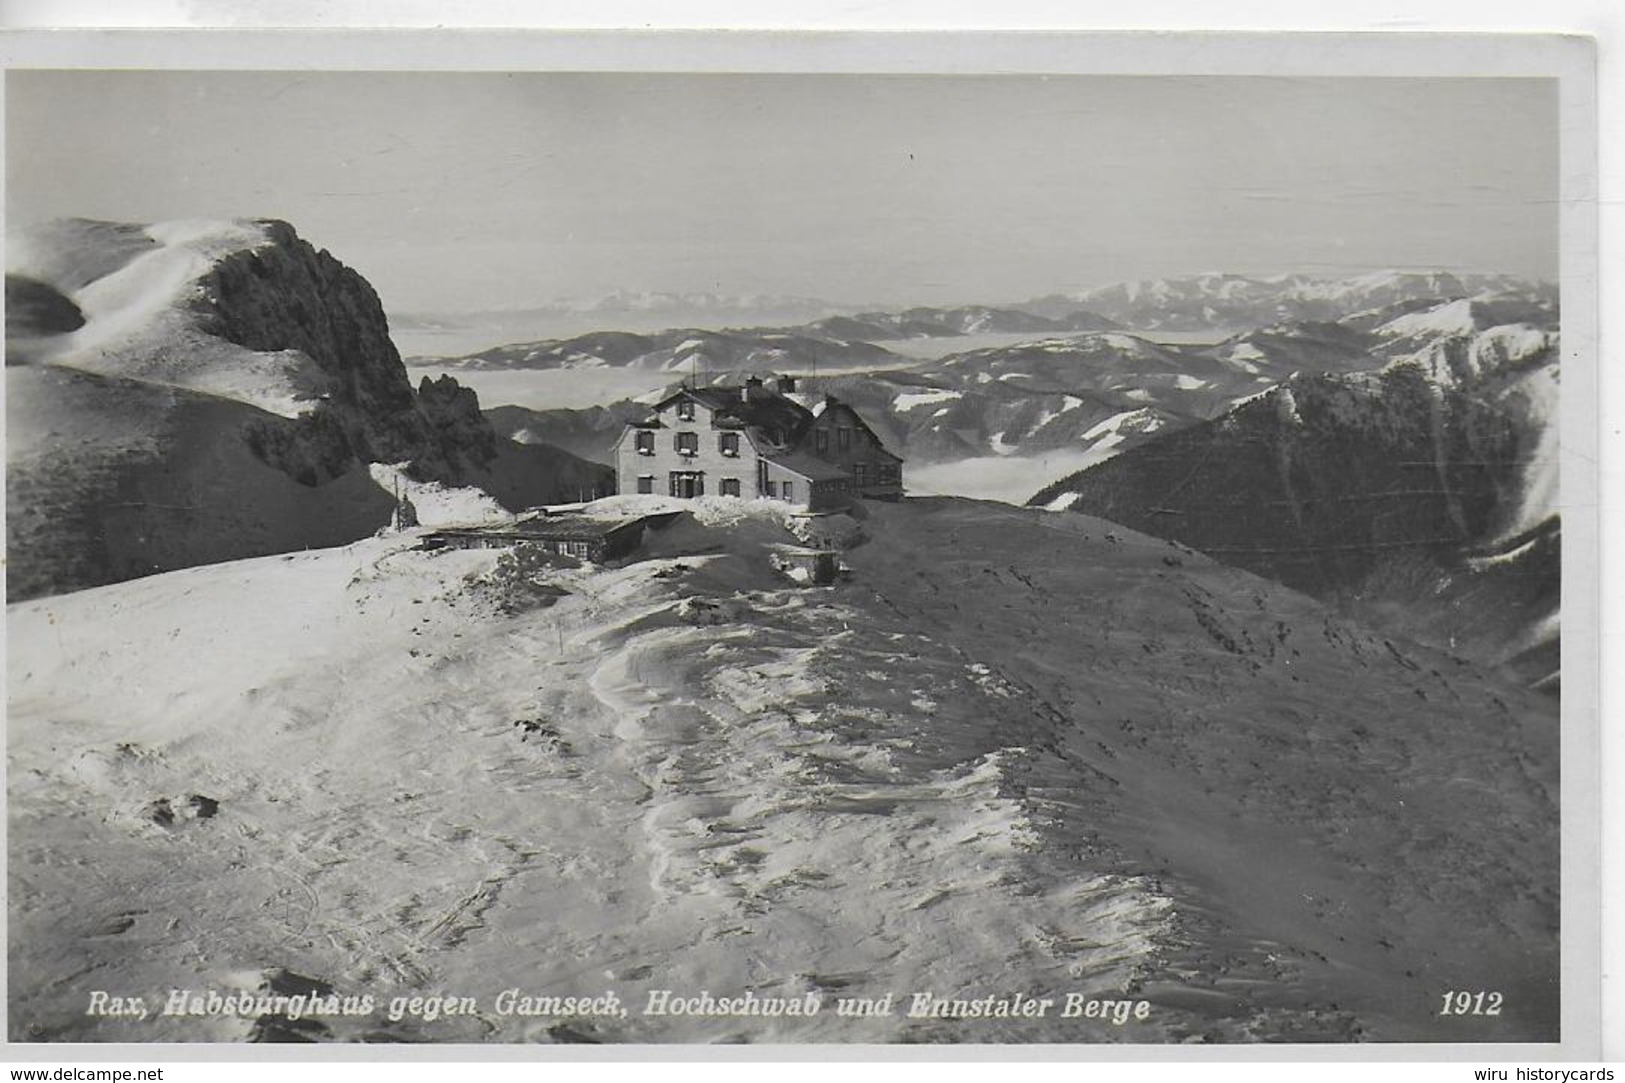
column 220, row 396
column 287, row 295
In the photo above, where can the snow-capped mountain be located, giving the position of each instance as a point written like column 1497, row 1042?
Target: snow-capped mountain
column 1102, row 390
column 683, row 350
column 1273, row 353
column 1055, row 392
column 1421, row 493
column 218, row 391
column 453, row 334
column 1233, row 302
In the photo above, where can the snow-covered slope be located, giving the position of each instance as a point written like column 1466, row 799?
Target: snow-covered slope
column 218, row 396
column 139, row 291
column 108, row 479
column 1016, row 752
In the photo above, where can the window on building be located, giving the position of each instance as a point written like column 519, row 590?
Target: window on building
column 770, row 488
column 685, row 409
column 646, row 442
column 730, row 444
column 787, row 490
column 821, row 441
column 845, row 439
column 862, row 472
column 730, row 486
column 646, row 483
column 688, row 443
column 888, row 471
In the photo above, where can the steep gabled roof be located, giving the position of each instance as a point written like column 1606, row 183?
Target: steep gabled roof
column 766, row 409
column 829, row 402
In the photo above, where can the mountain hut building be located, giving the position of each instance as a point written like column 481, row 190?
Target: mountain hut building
column 755, row 440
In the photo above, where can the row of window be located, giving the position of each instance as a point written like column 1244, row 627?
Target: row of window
column 688, row 443
column 573, row 548
column 691, row 485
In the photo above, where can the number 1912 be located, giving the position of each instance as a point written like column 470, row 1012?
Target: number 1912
column 1464, row 1003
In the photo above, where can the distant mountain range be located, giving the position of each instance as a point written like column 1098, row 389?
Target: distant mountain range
column 613, row 308
column 1195, row 303
column 448, row 334
column 1398, row 461
column 1106, row 390
column 683, row 350
column 949, row 322
column 834, row 341
column 1225, row 301
column 1101, row 390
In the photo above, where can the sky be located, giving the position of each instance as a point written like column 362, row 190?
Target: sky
column 457, row 192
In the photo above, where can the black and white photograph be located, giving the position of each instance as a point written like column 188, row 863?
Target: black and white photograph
column 635, row 557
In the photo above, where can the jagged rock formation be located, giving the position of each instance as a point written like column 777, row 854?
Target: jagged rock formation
column 220, row 396
column 286, row 295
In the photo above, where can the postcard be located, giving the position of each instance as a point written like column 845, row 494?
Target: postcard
column 1038, row 541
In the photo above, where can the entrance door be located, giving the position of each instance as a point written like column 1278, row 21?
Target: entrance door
column 687, row 484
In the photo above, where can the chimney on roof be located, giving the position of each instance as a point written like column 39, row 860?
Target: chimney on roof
column 752, row 388
column 783, row 384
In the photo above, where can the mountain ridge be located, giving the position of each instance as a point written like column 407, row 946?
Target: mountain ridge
column 1230, row 301
column 1420, row 494
column 220, row 370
